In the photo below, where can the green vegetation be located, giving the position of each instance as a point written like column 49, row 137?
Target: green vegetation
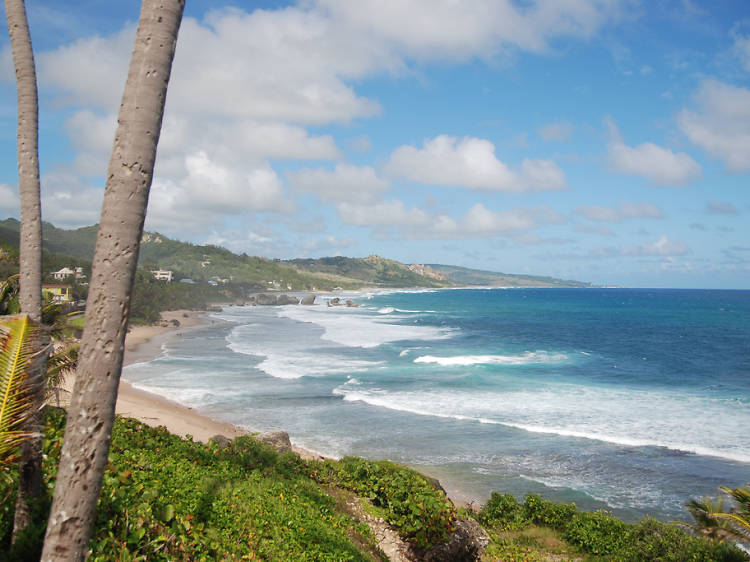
column 22, row 341
column 78, row 243
column 538, row 528
column 405, row 498
column 206, row 262
column 168, row 498
column 150, row 297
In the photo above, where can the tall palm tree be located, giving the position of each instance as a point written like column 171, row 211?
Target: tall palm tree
column 91, row 414
column 30, row 296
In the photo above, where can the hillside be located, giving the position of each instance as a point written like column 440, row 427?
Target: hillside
column 463, row 276
column 78, row 243
column 206, row 262
column 372, row 269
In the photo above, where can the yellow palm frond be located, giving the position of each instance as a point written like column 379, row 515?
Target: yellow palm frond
column 23, row 347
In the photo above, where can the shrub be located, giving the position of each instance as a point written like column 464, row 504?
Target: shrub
column 422, row 514
column 547, row 513
column 596, row 532
column 167, row 498
column 504, row 512
column 654, row 540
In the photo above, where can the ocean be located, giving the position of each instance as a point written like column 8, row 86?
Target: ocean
column 630, row 400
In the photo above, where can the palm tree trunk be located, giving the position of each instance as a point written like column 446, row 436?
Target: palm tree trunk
column 30, row 293
column 89, row 429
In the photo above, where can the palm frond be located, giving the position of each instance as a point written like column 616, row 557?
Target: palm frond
column 59, row 364
column 705, row 513
column 23, row 348
column 739, row 516
column 740, row 524
column 741, row 496
column 9, row 295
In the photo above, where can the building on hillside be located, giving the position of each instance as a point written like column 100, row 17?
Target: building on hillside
column 65, row 272
column 163, row 275
column 57, row 293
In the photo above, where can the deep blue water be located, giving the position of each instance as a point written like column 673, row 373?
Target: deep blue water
column 626, row 399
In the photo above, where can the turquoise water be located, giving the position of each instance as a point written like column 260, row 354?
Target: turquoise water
column 629, row 400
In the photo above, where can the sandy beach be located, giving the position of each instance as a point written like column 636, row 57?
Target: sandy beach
column 143, row 343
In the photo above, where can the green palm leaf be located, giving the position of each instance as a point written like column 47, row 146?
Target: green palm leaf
column 9, row 295
column 23, row 344
column 705, row 512
column 739, row 516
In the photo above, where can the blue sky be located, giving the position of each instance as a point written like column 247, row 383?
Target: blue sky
column 600, row 140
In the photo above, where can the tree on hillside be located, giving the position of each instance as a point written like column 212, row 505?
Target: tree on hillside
column 30, row 294
column 88, row 432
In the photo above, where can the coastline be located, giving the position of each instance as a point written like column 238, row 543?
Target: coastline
column 143, row 343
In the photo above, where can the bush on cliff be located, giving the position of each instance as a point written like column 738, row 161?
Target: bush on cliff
column 601, row 534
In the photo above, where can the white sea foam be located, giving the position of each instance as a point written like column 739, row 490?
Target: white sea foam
column 527, row 358
column 292, row 357
column 311, row 365
column 386, row 310
column 187, row 396
column 633, row 418
column 353, row 328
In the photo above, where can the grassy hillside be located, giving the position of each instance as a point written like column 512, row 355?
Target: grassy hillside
column 78, row 243
column 463, row 276
column 205, row 262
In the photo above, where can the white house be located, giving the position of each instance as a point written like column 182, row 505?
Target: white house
column 67, row 272
column 162, row 275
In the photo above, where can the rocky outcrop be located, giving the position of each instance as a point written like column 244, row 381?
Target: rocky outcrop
column 286, row 299
column 265, row 299
column 277, row 439
column 334, row 302
column 308, row 300
column 467, row 543
column 435, row 483
column 427, row 271
column 220, row 441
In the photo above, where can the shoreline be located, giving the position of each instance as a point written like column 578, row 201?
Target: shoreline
column 144, row 343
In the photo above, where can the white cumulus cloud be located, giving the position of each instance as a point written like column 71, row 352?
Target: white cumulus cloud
column 477, row 222
column 720, row 123
column 471, row 162
column 657, row 164
column 344, row 183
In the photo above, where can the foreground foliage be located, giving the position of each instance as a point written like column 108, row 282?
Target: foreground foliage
column 23, row 344
column 422, row 514
column 596, row 535
column 168, row 498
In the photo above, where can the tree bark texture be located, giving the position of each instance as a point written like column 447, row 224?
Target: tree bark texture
column 88, row 432
column 30, row 286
